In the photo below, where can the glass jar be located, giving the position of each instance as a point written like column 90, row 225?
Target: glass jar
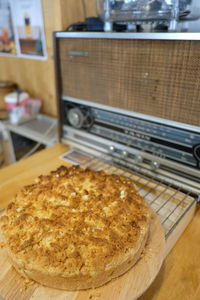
column 137, row 10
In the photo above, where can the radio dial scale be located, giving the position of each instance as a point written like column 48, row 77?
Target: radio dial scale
column 123, row 132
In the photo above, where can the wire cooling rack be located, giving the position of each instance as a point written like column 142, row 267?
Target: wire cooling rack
column 169, row 201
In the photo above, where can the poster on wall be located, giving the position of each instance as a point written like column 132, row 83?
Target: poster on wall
column 24, row 24
column 28, row 21
column 7, row 35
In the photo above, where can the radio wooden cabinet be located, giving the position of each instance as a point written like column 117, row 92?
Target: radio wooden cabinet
column 150, row 76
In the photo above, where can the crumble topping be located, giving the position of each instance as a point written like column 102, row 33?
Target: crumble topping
column 75, row 220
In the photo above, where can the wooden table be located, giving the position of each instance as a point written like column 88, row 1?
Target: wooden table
column 179, row 277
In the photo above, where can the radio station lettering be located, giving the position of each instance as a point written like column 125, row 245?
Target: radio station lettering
column 137, row 135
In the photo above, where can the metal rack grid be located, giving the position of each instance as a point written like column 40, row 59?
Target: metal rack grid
column 168, row 200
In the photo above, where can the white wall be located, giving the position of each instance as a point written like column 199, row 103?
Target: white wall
column 190, row 26
column 193, row 26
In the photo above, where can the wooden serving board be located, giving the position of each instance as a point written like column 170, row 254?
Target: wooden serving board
column 126, row 287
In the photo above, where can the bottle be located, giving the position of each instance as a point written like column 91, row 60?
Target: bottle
column 28, row 31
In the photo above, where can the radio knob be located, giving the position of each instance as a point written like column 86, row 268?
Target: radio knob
column 197, row 152
column 124, row 153
column 138, row 159
column 112, row 148
column 155, row 165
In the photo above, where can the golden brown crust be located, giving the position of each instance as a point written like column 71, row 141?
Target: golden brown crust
column 76, row 228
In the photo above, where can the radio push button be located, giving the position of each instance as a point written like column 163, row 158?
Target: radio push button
column 124, row 153
column 155, row 165
column 112, row 148
column 138, row 159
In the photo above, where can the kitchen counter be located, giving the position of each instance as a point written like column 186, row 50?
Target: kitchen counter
column 179, row 277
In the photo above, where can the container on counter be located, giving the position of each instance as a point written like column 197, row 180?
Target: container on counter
column 15, row 99
column 6, row 87
column 21, row 107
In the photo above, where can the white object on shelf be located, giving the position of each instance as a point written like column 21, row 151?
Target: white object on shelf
column 28, row 111
column 12, row 98
column 18, row 115
column 21, row 107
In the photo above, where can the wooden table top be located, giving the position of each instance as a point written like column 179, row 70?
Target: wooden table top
column 179, row 277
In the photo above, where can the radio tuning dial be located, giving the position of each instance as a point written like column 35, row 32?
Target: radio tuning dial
column 79, row 118
column 75, row 117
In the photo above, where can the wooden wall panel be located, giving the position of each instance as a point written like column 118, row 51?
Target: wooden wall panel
column 73, row 11
column 35, row 76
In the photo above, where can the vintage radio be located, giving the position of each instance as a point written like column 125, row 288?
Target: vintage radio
column 131, row 102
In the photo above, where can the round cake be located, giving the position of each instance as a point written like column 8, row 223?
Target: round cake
column 76, row 228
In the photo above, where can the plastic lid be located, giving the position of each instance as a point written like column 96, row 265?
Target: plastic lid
column 13, row 97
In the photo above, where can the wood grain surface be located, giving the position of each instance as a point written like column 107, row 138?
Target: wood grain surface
column 179, row 277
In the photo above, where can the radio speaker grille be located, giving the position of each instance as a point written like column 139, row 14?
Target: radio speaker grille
column 154, row 77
